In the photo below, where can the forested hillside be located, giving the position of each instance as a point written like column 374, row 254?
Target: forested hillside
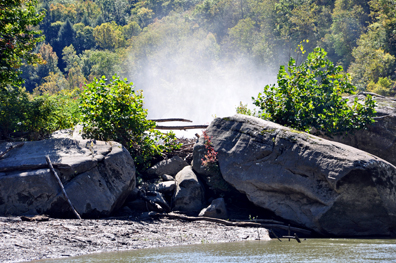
column 192, row 59
column 137, row 39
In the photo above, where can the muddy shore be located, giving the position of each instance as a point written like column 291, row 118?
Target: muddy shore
column 22, row 241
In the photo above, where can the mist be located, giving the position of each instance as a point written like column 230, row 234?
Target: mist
column 189, row 80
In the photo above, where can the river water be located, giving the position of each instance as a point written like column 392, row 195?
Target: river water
column 310, row 250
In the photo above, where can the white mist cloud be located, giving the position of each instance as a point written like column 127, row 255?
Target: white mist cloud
column 183, row 81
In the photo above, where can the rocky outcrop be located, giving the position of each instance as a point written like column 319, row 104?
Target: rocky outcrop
column 189, row 196
column 331, row 188
column 170, row 167
column 97, row 177
column 380, row 137
column 216, row 209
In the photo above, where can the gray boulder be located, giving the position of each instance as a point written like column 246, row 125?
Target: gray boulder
column 211, row 176
column 163, row 187
column 329, row 187
column 167, row 177
column 216, row 209
column 189, row 195
column 97, row 176
column 380, row 137
column 170, row 166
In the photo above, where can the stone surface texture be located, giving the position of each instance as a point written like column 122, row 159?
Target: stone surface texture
column 163, row 187
column 328, row 187
column 97, row 176
column 189, row 195
column 170, row 166
column 380, row 137
column 216, row 209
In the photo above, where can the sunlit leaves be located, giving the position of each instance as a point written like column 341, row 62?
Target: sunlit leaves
column 309, row 96
column 113, row 110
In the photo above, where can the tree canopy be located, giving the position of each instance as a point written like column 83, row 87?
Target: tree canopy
column 18, row 38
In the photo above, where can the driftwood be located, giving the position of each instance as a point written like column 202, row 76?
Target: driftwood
column 171, row 119
column 231, row 223
column 61, row 186
column 36, row 218
column 293, row 237
column 272, row 231
column 10, row 148
column 164, row 206
column 187, row 127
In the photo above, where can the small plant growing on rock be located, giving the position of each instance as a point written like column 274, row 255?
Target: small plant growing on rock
column 210, row 159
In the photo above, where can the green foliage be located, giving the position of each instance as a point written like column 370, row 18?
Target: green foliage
column 310, row 96
column 13, row 103
column 375, row 55
column 243, row 109
column 113, row 110
column 384, row 86
column 349, row 18
column 41, row 115
column 18, row 38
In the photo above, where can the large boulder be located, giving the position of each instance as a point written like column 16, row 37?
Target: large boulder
column 380, row 137
column 169, row 166
column 97, row 176
column 217, row 209
column 329, row 187
column 189, row 195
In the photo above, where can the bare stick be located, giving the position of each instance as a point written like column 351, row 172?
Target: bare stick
column 230, row 223
column 275, row 235
column 171, row 119
column 187, row 127
column 10, row 148
column 61, row 186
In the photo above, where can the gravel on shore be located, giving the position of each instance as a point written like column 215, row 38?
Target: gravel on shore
column 22, row 241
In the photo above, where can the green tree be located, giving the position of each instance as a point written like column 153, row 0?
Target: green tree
column 350, row 19
column 66, row 37
column 18, row 38
column 375, row 54
column 84, row 39
column 109, row 36
column 34, row 75
column 113, row 110
column 310, row 96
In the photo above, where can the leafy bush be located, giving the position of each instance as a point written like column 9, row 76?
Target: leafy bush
column 114, row 111
column 310, row 96
column 13, row 106
column 36, row 116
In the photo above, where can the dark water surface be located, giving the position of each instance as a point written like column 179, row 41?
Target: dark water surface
column 310, row 250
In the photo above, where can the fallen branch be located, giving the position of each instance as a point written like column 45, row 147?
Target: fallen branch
column 10, row 148
column 230, row 223
column 164, row 206
column 171, row 119
column 187, row 127
column 61, row 186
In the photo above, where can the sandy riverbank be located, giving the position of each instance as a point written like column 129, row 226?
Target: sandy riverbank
column 58, row 238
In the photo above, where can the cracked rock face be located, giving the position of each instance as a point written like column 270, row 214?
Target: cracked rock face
column 380, row 137
column 96, row 175
column 328, row 187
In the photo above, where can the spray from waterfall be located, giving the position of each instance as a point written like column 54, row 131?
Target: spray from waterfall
column 183, row 81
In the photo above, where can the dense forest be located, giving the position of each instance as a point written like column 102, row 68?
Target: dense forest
column 87, row 39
